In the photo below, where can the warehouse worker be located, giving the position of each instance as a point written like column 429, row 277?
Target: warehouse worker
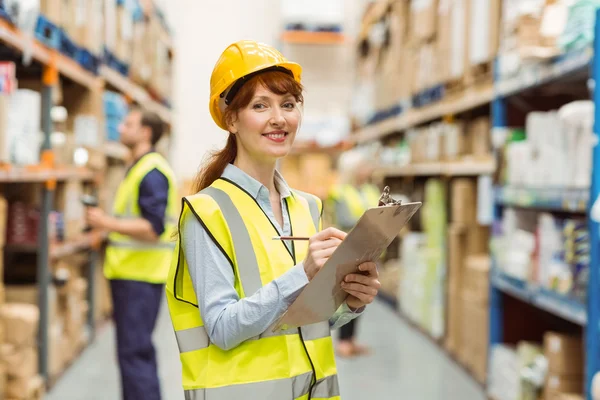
column 139, row 251
column 230, row 281
column 348, row 200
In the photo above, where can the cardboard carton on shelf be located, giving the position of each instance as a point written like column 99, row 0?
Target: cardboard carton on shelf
column 478, row 134
column 52, row 9
column 20, row 323
column 464, row 201
column 478, row 239
column 423, row 19
column 565, row 354
column 477, row 278
column 457, row 243
column 25, row 388
column 21, row 362
column 556, row 384
column 484, row 30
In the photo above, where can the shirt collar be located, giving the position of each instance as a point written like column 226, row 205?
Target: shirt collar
column 251, row 185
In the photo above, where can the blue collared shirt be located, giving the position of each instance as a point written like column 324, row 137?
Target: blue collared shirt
column 228, row 319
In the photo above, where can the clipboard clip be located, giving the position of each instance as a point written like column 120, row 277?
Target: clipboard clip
column 386, row 200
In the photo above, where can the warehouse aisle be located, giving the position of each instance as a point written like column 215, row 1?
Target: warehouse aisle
column 403, row 365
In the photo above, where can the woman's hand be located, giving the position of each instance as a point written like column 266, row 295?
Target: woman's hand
column 362, row 288
column 320, row 247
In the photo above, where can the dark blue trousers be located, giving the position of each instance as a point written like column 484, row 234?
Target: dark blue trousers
column 135, row 308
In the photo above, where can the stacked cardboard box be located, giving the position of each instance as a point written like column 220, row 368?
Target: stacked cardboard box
column 19, row 351
column 468, row 280
column 425, row 57
column 565, row 358
column 69, row 203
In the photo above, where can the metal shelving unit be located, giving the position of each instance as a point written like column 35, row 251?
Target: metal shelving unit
column 55, row 65
column 579, row 65
column 560, row 200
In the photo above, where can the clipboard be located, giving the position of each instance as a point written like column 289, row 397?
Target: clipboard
column 367, row 240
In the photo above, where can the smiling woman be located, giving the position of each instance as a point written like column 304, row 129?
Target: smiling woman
column 229, row 281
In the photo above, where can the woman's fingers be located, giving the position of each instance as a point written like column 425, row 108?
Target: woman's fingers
column 364, row 298
column 359, row 288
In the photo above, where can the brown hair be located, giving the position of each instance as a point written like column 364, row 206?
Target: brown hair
column 150, row 119
column 275, row 81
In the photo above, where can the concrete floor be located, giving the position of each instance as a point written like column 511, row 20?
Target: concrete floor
column 402, row 365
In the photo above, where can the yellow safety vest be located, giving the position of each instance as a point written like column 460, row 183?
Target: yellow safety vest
column 131, row 259
column 281, row 365
column 370, row 195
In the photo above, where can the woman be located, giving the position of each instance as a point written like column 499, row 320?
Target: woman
column 230, row 281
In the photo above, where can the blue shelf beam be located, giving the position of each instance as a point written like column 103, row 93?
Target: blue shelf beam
column 592, row 336
column 555, row 199
column 539, row 297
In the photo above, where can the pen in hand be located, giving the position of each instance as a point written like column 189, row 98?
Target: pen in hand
column 290, row 238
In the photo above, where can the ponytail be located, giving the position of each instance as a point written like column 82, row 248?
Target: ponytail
column 216, row 165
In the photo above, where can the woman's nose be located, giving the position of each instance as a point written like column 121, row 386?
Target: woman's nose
column 277, row 118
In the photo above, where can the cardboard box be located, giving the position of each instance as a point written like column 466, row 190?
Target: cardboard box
column 68, row 201
column 3, row 220
column 457, row 243
column 20, row 323
column 25, row 389
column 484, row 27
column 479, row 136
column 423, row 19
column 464, row 201
column 564, row 396
column 52, row 9
column 563, row 384
column 475, row 336
column 459, row 49
column 565, row 354
column 478, row 239
column 29, row 294
column 21, row 362
column 454, row 322
column 477, row 278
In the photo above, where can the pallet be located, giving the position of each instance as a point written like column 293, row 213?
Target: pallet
column 67, row 46
column 88, row 60
column 114, row 63
column 47, row 32
column 428, row 96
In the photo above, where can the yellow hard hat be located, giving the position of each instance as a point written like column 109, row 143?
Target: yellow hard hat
column 243, row 59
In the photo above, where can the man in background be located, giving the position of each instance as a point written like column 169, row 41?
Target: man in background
column 139, row 251
column 348, row 200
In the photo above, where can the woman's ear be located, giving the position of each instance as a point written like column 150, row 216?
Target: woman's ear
column 232, row 125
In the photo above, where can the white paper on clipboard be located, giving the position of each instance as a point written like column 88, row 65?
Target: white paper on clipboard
column 371, row 235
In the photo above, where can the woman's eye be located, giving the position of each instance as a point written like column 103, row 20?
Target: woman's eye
column 289, row 105
column 258, row 106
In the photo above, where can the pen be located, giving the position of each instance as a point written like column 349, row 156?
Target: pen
column 290, row 238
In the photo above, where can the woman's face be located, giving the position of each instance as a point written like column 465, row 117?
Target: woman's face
column 266, row 128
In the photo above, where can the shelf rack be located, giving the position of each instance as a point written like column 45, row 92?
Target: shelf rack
column 562, row 69
column 54, row 65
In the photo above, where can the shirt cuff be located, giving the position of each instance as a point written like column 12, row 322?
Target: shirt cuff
column 346, row 309
column 292, row 282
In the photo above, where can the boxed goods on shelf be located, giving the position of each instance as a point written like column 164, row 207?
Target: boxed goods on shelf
column 484, row 21
column 73, row 212
column 52, row 9
column 565, row 357
column 25, row 389
column 556, row 150
column 421, row 289
column 20, row 116
column 550, row 251
column 115, row 109
column 423, row 19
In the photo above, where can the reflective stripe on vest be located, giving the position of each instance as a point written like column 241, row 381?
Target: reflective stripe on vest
column 197, row 338
column 249, row 274
column 313, row 207
column 270, row 390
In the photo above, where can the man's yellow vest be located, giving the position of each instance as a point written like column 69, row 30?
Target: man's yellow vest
column 357, row 200
column 131, row 259
column 282, row 365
